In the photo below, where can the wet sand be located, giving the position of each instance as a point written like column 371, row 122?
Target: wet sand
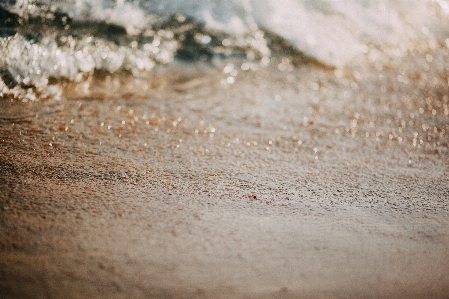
column 300, row 183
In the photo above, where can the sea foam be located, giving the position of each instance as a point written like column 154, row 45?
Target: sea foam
column 41, row 40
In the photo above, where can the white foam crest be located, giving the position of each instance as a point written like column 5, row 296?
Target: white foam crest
column 33, row 64
column 123, row 13
column 334, row 32
column 320, row 36
column 30, row 62
column 331, row 31
column 120, row 12
column 224, row 15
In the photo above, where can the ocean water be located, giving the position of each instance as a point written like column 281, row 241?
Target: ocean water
column 46, row 42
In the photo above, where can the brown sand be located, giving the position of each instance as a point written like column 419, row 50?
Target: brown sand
column 307, row 183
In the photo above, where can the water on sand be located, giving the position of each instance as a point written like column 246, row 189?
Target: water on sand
column 231, row 178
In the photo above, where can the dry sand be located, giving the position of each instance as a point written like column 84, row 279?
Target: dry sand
column 300, row 183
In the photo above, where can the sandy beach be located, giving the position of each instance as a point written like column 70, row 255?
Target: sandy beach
column 285, row 182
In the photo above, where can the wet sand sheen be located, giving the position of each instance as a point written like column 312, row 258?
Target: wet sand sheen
column 306, row 183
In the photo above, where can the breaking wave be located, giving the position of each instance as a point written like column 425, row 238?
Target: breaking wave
column 44, row 41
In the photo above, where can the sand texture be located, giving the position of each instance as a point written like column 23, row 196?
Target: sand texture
column 286, row 182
